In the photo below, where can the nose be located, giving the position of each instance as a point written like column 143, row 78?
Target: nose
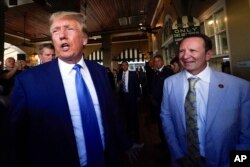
column 62, row 35
column 184, row 54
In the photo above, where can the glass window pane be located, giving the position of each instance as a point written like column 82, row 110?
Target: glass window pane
column 215, row 28
column 223, row 43
column 220, row 21
column 209, row 25
column 202, row 27
column 214, row 45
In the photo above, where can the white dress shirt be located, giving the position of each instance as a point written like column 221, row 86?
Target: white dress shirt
column 126, row 73
column 68, row 77
column 202, row 89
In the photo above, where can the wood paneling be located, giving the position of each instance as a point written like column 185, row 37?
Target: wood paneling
column 102, row 16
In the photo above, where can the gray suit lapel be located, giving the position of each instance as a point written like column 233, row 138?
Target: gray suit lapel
column 178, row 93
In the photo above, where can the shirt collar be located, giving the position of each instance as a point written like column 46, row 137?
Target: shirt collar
column 160, row 69
column 66, row 68
column 203, row 75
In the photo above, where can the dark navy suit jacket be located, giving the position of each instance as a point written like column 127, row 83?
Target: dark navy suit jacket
column 133, row 84
column 41, row 128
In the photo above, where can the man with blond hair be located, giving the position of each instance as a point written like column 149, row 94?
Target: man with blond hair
column 62, row 112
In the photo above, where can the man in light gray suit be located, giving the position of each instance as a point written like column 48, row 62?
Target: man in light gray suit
column 222, row 108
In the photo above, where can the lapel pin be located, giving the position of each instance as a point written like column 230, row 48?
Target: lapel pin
column 221, row 86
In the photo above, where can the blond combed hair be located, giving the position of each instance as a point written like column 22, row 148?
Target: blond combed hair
column 80, row 18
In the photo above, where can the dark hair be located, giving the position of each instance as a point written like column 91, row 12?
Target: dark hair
column 208, row 42
column 158, row 56
column 175, row 60
column 45, row 45
column 124, row 61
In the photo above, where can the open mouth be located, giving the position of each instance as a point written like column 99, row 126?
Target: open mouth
column 65, row 46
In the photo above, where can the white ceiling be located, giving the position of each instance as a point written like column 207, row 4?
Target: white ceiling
column 11, row 51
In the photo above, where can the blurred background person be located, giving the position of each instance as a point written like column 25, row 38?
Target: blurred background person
column 46, row 52
column 225, row 67
column 129, row 93
column 175, row 65
column 161, row 73
column 7, row 76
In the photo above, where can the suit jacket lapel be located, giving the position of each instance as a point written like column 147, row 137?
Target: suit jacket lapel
column 55, row 86
column 217, row 90
column 178, row 93
column 96, row 77
column 59, row 105
column 96, row 81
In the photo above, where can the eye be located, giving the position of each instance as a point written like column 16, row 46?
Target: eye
column 192, row 50
column 70, row 28
column 54, row 31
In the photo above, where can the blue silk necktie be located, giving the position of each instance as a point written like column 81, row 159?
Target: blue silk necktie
column 191, row 119
column 93, row 142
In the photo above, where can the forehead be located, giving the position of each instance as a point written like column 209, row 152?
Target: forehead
column 157, row 59
column 64, row 21
column 124, row 64
column 192, row 41
column 48, row 50
column 10, row 59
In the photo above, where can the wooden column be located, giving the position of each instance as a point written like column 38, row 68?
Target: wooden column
column 106, row 48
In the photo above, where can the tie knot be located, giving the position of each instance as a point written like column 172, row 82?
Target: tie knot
column 192, row 82
column 77, row 67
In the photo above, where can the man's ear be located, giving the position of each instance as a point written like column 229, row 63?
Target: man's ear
column 85, row 40
column 209, row 55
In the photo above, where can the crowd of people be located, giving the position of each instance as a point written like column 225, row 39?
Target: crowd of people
column 63, row 112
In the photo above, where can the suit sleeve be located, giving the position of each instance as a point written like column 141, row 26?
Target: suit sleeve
column 244, row 142
column 168, row 123
column 18, row 129
column 117, row 134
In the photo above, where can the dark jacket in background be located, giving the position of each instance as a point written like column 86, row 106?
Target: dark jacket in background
column 157, row 84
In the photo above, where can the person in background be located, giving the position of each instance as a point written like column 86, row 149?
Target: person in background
column 161, row 73
column 175, row 65
column 143, row 82
column 225, row 67
column 129, row 93
column 205, row 113
column 75, row 123
column 7, row 76
column 46, row 52
column 149, row 68
column 23, row 65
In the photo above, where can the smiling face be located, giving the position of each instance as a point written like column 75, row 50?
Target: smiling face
column 68, row 38
column 193, row 55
